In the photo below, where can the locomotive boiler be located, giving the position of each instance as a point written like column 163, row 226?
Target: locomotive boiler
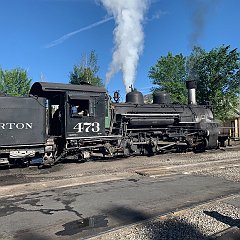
column 65, row 121
column 161, row 126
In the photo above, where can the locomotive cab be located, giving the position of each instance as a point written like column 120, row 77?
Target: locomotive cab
column 76, row 116
column 84, row 115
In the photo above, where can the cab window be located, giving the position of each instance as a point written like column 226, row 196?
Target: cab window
column 79, row 108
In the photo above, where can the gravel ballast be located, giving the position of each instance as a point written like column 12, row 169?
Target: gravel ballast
column 198, row 223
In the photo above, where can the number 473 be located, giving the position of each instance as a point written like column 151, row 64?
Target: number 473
column 87, row 127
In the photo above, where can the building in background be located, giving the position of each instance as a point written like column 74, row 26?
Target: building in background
column 232, row 127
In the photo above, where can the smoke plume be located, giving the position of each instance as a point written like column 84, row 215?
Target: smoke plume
column 201, row 9
column 128, row 37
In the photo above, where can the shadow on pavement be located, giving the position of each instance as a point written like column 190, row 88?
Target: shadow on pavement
column 125, row 215
column 29, row 235
column 224, row 219
column 169, row 229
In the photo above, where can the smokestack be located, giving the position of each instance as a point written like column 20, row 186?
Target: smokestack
column 191, row 86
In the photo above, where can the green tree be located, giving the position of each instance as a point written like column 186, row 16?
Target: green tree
column 169, row 74
column 217, row 73
column 218, row 78
column 15, row 82
column 86, row 71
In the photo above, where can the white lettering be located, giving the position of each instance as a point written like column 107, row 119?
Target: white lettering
column 87, row 127
column 11, row 126
column 96, row 127
column 28, row 125
column 20, row 126
column 79, row 127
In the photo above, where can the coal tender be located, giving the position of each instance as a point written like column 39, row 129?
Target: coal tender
column 22, row 129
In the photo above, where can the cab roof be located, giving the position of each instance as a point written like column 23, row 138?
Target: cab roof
column 46, row 89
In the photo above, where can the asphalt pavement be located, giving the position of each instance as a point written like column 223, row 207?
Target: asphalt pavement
column 78, row 212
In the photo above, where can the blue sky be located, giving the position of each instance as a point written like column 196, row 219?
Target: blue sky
column 30, row 27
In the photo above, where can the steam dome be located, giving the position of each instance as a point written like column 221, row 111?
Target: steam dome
column 160, row 97
column 134, row 97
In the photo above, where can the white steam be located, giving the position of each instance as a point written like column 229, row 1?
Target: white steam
column 128, row 37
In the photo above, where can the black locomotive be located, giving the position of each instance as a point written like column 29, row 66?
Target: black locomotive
column 65, row 121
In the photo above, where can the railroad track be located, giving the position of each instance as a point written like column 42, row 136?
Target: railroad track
column 189, row 168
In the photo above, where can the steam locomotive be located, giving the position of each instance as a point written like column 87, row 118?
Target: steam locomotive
column 65, row 121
